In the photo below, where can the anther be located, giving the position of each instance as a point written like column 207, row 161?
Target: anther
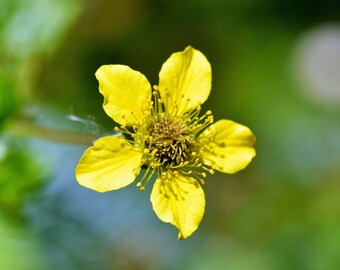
column 154, row 151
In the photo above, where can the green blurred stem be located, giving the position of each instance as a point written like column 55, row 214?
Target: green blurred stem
column 26, row 128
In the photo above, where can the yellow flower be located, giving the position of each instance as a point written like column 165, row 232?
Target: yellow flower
column 165, row 134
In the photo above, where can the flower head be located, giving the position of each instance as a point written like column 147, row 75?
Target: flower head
column 165, row 134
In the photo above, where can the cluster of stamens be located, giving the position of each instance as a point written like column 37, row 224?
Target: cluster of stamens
column 168, row 139
column 172, row 139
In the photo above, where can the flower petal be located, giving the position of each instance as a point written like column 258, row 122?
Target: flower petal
column 179, row 200
column 185, row 75
column 127, row 93
column 111, row 163
column 227, row 146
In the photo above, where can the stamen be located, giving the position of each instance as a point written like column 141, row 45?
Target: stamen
column 134, row 115
column 146, row 178
column 192, row 115
column 179, row 103
column 154, row 151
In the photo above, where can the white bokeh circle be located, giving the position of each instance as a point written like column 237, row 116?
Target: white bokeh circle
column 317, row 63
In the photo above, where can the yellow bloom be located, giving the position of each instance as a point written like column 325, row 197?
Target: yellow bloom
column 164, row 133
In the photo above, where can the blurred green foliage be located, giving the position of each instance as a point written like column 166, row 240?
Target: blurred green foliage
column 34, row 27
column 8, row 99
column 21, row 177
column 17, row 242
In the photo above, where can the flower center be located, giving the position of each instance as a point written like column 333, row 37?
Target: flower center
column 171, row 140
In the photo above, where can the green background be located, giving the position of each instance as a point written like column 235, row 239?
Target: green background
column 281, row 213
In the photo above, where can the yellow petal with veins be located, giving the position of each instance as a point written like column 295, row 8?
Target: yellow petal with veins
column 111, row 163
column 178, row 200
column 127, row 93
column 185, row 80
column 227, row 146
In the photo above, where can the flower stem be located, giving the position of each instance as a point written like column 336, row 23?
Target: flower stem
column 24, row 127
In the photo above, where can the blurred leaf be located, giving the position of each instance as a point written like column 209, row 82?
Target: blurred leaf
column 18, row 249
column 37, row 25
column 20, row 177
column 8, row 99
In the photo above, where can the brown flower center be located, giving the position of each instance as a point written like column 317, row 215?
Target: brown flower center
column 172, row 141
